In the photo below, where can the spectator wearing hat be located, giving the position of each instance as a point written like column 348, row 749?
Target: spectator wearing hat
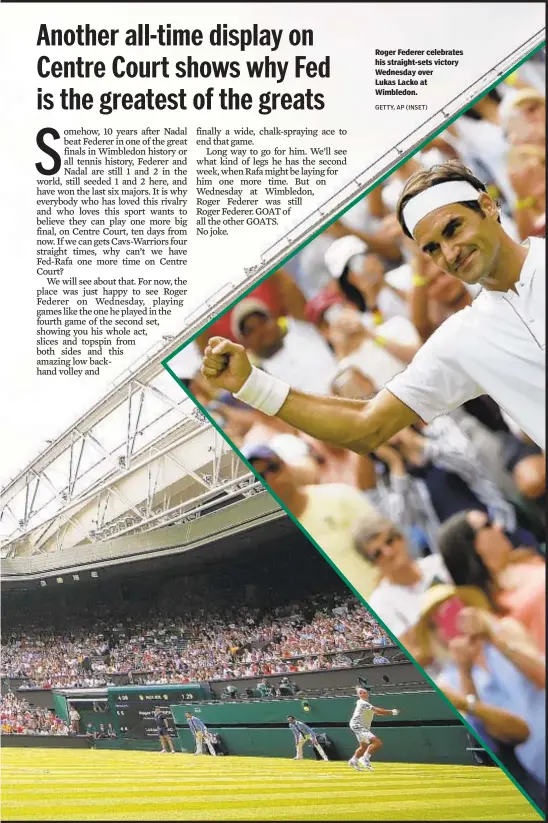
column 311, row 460
column 288, row 348
column 492, row 662
column 279, row 292
column 531, row 73
column 363, row 281
column 298, row 453
column 522, row 115
column 312, row 274
column 378, row 355
column 327, row 512
column 325, row 304
column 377, row 338
column 363, row 222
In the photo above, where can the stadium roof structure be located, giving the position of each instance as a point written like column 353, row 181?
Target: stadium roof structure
column 140, row 461
column 143, row 457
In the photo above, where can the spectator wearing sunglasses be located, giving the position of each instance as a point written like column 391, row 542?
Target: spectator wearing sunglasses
column 478, row 552
column 328, row 512
column 397, row 599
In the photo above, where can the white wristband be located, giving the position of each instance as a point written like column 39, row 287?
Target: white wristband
column 264, row 392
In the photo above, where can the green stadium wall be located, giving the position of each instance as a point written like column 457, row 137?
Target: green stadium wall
column 426, row 731
column 411, row 744
column 420, row 706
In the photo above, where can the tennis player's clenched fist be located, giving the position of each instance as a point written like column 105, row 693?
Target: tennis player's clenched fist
column 225, row 365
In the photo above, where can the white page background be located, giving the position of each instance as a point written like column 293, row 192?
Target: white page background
column 34, row 408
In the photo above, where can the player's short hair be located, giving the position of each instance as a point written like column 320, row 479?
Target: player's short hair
column 442, row 173
column 290, row 717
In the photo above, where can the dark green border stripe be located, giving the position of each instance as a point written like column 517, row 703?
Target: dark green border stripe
column 352, row 589
column 403, row 159
column 206, row 414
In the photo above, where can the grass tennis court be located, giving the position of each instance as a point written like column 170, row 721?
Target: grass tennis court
column 39, row 784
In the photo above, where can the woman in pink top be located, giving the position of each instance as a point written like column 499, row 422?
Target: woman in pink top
column 478, row 553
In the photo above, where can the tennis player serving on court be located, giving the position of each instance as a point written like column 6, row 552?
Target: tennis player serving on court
column 360, row 723
column 495, row 346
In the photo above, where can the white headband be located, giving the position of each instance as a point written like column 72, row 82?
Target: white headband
column 443, row 194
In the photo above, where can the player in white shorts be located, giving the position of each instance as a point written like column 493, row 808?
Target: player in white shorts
column 360, row 723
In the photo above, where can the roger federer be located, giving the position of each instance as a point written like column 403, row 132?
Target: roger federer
column 495, row 346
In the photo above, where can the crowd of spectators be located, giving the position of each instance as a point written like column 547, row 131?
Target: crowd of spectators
column 440, row 508
column 189, row 645
column 17, row 716
column 442, row 529
column 350, row 311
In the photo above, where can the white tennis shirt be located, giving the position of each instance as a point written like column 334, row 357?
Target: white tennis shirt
column 363, row 714
column 496, row 346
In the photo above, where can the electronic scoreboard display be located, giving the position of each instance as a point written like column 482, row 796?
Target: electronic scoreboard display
column 133, row 706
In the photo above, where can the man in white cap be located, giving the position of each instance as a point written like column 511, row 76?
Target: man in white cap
column 288, row 348
column 522, row 116
column 495, row 346
column 362, row 279
column 379, row 337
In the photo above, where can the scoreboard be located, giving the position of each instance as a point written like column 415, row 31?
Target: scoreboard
column 133, row 706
